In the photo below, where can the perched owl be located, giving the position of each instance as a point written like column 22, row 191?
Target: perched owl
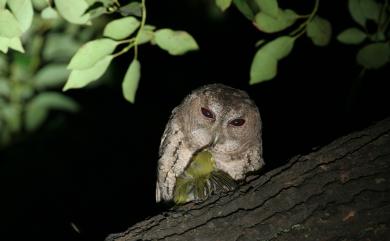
column 215, row 133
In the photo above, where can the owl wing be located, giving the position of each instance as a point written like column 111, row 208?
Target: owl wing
column 167, row 131
column 174, row 157
column 162, row 149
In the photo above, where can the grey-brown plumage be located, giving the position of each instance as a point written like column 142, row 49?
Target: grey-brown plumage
column 217, row 117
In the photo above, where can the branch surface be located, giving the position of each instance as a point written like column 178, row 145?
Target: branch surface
column 338, row 192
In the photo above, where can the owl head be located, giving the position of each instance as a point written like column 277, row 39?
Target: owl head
column 214, row 119
column 220, row 118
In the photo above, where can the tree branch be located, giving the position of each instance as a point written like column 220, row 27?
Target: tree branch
column 339, row 192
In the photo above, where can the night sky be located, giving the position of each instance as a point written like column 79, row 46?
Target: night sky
column 97, row 168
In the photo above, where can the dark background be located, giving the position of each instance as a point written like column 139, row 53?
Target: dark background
column 96, row 168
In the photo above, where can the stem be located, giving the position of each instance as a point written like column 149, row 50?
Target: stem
column 299, row 34
column 302, row 28
column 304, row 16
column 140, row 29
column 315, row 10
column 124, row 50
column 386, row 25
column 381, row 26
column 133, row 41
column 386, row 22
column 125, row 41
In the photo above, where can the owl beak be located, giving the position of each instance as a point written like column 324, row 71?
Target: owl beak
column 215, row 140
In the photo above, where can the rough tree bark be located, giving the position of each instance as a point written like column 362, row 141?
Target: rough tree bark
column 339, row 192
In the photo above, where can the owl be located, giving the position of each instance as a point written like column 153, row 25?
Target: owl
column 217, row 119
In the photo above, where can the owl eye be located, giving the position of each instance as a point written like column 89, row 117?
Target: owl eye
column 207, row 113
column 237, row 122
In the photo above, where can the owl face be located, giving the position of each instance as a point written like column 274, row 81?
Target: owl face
column 223, row 119
column 219, row 119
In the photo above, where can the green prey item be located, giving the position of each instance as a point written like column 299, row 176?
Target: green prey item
column 200, row 179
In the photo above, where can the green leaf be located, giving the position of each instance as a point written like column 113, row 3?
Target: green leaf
column 352, row 36
column 356, row 12
column 145, row 36
column 175, row 42
column 320, row 31
column 269, row 7
column 3, row 65
column 59, row 47
column 80, row 78
column 22, row 60
column 23, row 12
column 244, row 8
column 361, row 10
column 20, row 67
column 39, row 4
column 2, row 3
column 270, row 24
column 133, row 8
column 93, row 5
column 131, row 80
column 264, row 67
column 95, row 13
column 38, row 108
column 4, row 44
column 370, row 9
column 73, row 10
column 264, row 64
column 16, row 44
column 279, row 47
column 52, row 75
column 13, row 43
column 49, row 13
column 5, row 88
column 379, row 36
column 12, row 115
column 97, row 8
column 34, row 117
column 121, row 28
column 223, row 4
column 22, row 92
column 91, row 52
column 106, row 3
column 9, row 25
column 374, row 56
column 91, row 2
column 149, row 27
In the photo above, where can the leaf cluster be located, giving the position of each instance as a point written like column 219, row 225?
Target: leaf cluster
column 119, row 37
column 29, row 77
column 268, row 17
column 59, row 45
column 374, row 52
column 272, row 19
